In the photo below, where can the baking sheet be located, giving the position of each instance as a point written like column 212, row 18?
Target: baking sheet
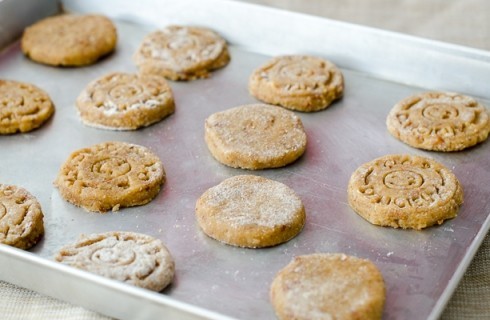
column 420, row 268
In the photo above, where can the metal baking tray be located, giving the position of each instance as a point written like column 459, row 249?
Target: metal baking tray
column 213, row 280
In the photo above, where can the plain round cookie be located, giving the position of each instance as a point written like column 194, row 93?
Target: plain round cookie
column 110, row 175
column 328, row 286
column 123, row 101
column 255, row 136
column 439, row 121
column 133, row 258
column 21, row 217
column 250, row 211
column 69, row 40
column 23, row 107
column 302, row 83
column 409, row 192
column 182, row 53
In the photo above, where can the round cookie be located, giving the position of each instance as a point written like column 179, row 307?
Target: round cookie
column 404, row 191
column 21, row 218
column 110, row 175
column 69, row 40
column 439, row 121
column 255, row 136
column 328, row 286
column 301, row 83
column 123, row 101
column 23, row 107
column 182, row 53
column 133, row 258
column 250, row 211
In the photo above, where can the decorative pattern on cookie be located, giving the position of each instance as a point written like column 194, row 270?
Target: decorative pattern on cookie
column 182, row 53
column 250, row 211
column 133, row 258
column 255, row 137
column 405, row 191
column 110, row 175
column 439, row 121
column 301, row 83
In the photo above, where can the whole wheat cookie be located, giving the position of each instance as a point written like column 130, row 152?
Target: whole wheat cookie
column 69, row 40
column 255, row 136
column 133, row 258
column 250, row 211
column 110, row 175
column 123, row 101
column 328, row 286
column 409, row 192
column 23, row 107
column 301, row 83
column 182, row 53
column 439, row 121
column 21, row 217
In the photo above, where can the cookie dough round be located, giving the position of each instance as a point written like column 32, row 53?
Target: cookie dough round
column 182, row 53
column 69, row 40
column 255, row 136
column 301, row 83
column 439, row 121
column 21, row 218
column 328, row 286
column 133, row 258
column 110, row 175
column 409, row 192
column 123, row 101
column 23, row 107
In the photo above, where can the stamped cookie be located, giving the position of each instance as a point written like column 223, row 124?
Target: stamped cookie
column 23, row 107
column 409, row 192
column 250, row 211
column 182, row 53
column 123, row 101
column 21, row 218
column 301, row 83
column 255, row 136
column 69, row 40
column 439, row 121
column 133, row 258
column 328, row 286
column 110, row 175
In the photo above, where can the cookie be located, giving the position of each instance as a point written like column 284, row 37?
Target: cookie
column 182, row 53
column 328, row 286
column 69, row 40
column 123, row 101
column 23, row 107
column 403, row 191
column 439, row 121
column 21, row 217
column 110, row 175
column 250, row 211
column 133, row 258
column 255, row 136
column 301, row 83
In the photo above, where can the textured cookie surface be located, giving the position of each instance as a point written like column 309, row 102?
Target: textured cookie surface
column 129, row 257
column 110, row 175
column 23, row 107
column 250, row 211
column 405, row 191
column 69, row 40
column 328, row 286
column 255, row 136
column 302, row 83
column 122, row 101
column 182, row 53
column 21, row 218
column 439, row 121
